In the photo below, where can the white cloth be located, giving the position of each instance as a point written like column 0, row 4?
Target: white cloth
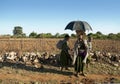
column 76, row 52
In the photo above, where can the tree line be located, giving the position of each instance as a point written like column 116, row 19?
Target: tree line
column 18, row 33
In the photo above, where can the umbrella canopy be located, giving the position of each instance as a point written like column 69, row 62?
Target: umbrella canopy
column 78, row 25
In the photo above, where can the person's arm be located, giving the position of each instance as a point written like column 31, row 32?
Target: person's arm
column 87, row 48
column 86, row 45
column 75, row 50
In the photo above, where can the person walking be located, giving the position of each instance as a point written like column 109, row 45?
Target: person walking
column 65, row 56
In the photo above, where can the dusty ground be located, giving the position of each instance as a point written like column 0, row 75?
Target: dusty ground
column 57, row 78
column 52, row 75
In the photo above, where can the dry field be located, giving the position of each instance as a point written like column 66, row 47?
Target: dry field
column 49, row 45
column 97, row 73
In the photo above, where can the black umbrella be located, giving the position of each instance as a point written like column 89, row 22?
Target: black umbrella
column 78, row 25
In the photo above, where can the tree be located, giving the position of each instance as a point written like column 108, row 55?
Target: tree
column 48, row 35
column 118, row 36
column 112, row 36
column 33, row 35
column 24, row 35
column 99, row 33
column 73, row 35
column 41, row 35
column 57, row 35
column 17, row 31
column 63, row 35
column 90, row 34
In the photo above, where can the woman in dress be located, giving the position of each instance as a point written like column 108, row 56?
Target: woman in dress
column 65, row 56
column 80, row 53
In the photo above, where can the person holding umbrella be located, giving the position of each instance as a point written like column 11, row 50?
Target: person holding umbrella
column 80, row 53
column 80, row 46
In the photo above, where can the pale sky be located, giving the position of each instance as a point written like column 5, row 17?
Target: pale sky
column 52, row 16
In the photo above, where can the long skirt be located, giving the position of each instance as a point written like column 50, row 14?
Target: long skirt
column 79, row 65
column 64, row 61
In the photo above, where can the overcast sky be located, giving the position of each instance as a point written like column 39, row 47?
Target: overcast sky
column 52, row 16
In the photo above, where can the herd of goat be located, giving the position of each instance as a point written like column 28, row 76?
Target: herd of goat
column 29, row 58
column 37, row 59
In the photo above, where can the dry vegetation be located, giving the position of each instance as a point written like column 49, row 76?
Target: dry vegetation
column 97, row 72
column 49, row 45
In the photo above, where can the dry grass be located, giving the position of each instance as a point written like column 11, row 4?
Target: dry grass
column 107, row 45
column 49, row 45
column 51, row 75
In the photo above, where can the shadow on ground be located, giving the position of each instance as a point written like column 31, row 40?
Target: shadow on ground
column 42, row 69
